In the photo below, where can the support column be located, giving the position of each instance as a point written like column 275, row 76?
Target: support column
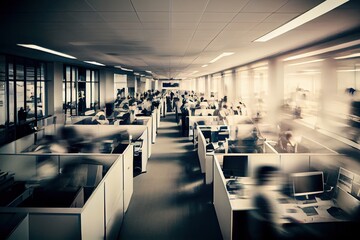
column 275, row 97
column 54, row 94
column 328, row 92
column 207, row 87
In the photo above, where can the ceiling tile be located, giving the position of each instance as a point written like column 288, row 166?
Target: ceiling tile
column 299, row 6
column 188, row 5
column 226, row 6
column 197, row 46
column 111, row 5
column 125, row 25
column 155, row 25
column 250, row 17
column 217, row 17
column 211, row 26
column 182, row 34
column 205, row 35
column 183, row 25
column 154, row 16
column 151, row 5
column 186, row 17
column 240, row 26
column 86, row 16
column 263, row 6
column 156, row 34
column 119, row 16
column 267, row 26
column 280, row 17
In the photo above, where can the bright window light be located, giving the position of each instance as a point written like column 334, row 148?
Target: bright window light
column 224, row 54
column 36, row 47
column 302, row 63
column 313, row 13
column 354, row 55
column 95, row 63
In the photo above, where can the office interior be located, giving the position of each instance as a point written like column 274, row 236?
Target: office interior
column 166, row 109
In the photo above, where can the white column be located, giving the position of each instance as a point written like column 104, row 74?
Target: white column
column 275, row 97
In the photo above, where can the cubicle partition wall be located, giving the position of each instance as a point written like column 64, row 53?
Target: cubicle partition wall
column 201, row 120
column 230, row 209
column 93, row 133
column 206, row 158
column 95, row 200
column 155, row 125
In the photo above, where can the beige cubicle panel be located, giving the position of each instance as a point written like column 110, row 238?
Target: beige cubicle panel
column 98, row 217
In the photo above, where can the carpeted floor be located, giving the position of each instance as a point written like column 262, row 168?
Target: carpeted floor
column 170, row 200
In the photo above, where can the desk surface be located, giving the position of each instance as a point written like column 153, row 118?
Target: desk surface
column 241, row 201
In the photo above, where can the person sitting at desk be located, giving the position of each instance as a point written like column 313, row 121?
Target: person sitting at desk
column 100, row 118
column 285, row 143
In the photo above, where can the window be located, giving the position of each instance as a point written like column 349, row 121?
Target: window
column 22, row 85
column 80, row 90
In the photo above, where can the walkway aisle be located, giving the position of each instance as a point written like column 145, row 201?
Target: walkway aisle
column 170, row 200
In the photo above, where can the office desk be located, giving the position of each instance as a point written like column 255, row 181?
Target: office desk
column 232, row 210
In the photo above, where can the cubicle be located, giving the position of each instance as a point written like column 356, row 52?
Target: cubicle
column 205, row 155
column 96, row 136
column 201, row 120
column 140, row 119
column 232, row 210
column 104, row 139
column 70, row 196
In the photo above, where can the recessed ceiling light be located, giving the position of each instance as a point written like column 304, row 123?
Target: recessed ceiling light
column 95, row 63
column 313, row 13
column 36, row 47
column 224, row 54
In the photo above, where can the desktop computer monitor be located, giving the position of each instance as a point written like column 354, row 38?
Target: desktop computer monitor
column 307, row 184
column 223, row 135
column 235, row 166
column 207, row 134
column 214, row 136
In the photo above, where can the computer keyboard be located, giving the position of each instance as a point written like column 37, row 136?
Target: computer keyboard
column 309, row 211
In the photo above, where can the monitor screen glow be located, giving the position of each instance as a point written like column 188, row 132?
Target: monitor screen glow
column 308, row 183
column 235, row 165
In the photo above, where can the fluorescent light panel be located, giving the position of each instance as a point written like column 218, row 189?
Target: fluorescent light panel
column 354, row 55
column 36, row 47
column 313, row 13
column 95, row 63
column 124, row 69
column 348, row 70
column 224, row 54
column 324, row 50
column 307, row 62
